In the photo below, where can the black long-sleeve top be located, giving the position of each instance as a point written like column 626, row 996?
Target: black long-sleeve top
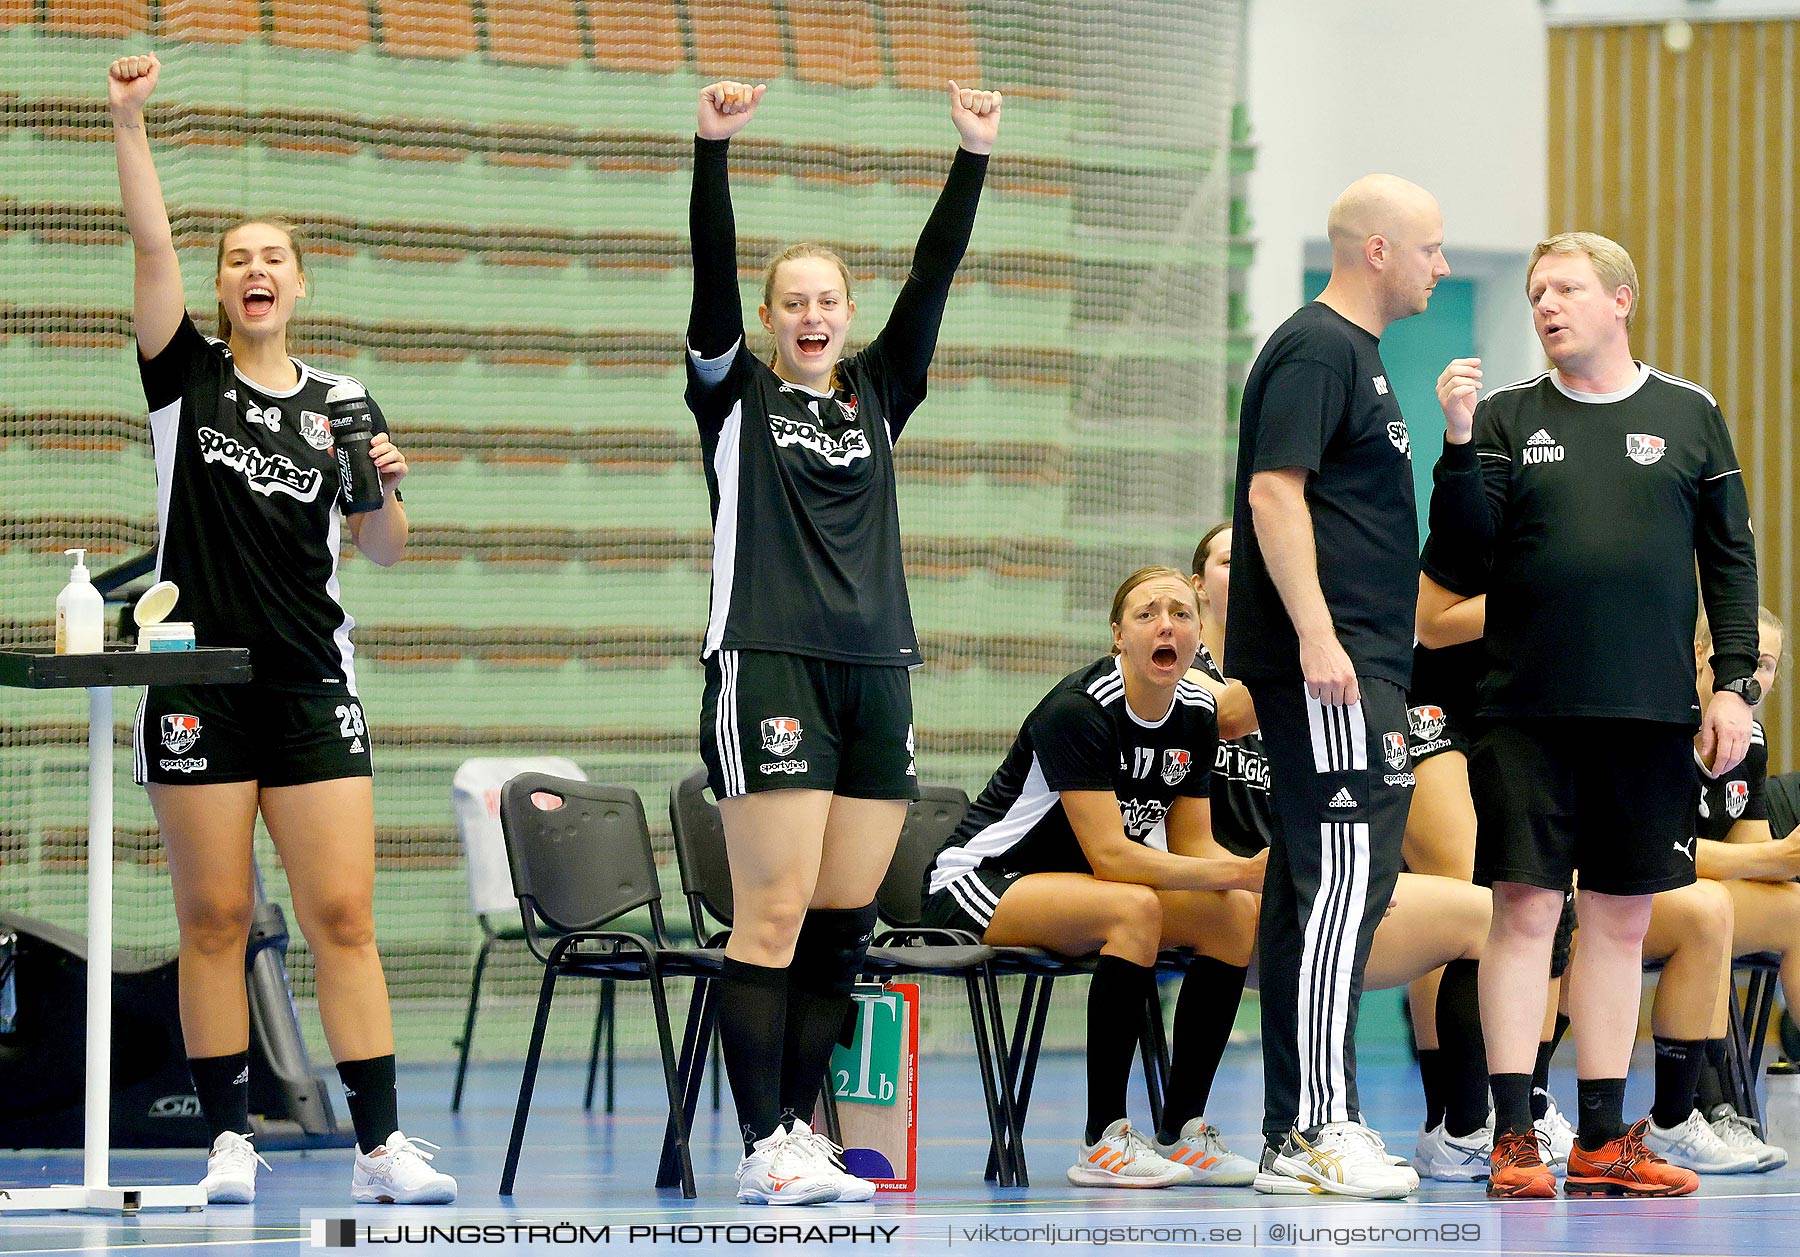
column 1594, row 511
column 806, row 527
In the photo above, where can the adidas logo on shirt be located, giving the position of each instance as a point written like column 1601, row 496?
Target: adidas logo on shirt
column 1343, row 798
column 1541, row 447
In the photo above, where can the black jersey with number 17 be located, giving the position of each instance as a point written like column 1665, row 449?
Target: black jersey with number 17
column 1083, row 736
column 248, row 525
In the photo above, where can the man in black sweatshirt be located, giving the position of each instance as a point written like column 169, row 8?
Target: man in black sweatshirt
column 1596, row 488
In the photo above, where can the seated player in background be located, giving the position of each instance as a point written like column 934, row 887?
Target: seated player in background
column 1053, row 854
column 1431, row 923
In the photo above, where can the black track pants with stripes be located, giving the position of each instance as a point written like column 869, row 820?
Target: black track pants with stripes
column 1341, row 784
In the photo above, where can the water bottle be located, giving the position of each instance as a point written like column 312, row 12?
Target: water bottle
column 352, row 428
column 1781, row 1115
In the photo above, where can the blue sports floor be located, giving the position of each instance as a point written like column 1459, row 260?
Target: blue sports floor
column 595, row 1171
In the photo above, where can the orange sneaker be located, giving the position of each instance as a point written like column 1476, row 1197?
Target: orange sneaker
column 1625, row 1167
column 1516, row 1167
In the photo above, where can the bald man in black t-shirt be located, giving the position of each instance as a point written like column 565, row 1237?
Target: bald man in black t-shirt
column 1322, row 590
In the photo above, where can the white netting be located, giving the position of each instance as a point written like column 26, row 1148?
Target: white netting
column 493, row 198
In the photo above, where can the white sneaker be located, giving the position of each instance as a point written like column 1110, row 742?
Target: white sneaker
column 231, row 1170
column 1347, row 1159
column 1124, row 1158
column 1557, row 1136
column 1203, row 1150
column 399, row 1173
column 784, row 1170
column 1453, row 1159
column 1744, row 1133
column 1697, row 1146
column 851, row 1189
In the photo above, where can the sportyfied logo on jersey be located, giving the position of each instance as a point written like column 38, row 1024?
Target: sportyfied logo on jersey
column 316, row 429
column 179, row 732
column 780, row 735
column 840, row 450
column 1425, row 722
column 1641, row 447
column 1737, row 797
column 1175, row 766
column 1141, row 816
column 1397, row 434
column 1393, row 749
column 268, row 474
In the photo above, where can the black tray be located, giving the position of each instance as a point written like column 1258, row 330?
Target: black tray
column 43, row 669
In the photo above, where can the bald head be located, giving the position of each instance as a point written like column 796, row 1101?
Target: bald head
column 1380, row 205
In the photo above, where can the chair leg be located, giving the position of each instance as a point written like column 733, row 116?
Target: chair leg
column 984, row 1057
column 612, row 1056
column 602, row 1024
column 1012, row 1050
column 696, row 1041
column 1740, row 1083
column 528, row 1080
column 672, row 1081
column 1759, row 999
column 468, row 1033
column 1013, row 1127
column 1028, row 1037
column 1154, row 1048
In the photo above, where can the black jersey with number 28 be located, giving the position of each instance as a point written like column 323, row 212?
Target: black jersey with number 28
column 248, row 524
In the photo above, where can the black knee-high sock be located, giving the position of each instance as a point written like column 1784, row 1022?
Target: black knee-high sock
column 1431, row 1078
column 752, row 1018
column 1678, row 1063
column 374, row 1103
column 827, row 955
column 223, row 1085
column 1601, row 1119
column 1117, row 998
column 1465, row 1051
column 1204, row 1012
column 1711, row 1092
column 1540, row 1073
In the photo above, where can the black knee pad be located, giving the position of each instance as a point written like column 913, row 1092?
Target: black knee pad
column 831, row 947
column 829, row 953
column 1565, row 937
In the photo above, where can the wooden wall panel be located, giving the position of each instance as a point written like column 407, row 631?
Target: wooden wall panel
column 1689, row 160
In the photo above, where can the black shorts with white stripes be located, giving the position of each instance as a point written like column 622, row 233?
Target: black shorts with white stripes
column 968, row 902
column 773, row 721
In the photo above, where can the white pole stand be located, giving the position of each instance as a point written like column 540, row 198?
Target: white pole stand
column 95, row 1194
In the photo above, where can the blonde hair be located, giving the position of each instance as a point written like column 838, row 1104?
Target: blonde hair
column 794, row 252
column 1137, row 578
column 1611, row 263
column 280, row 224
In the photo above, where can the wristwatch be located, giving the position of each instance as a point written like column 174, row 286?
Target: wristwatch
column 1747, row 688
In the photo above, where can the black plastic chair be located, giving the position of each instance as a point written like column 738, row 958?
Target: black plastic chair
column 902, row 900
column 706, row 883
column 581, row 858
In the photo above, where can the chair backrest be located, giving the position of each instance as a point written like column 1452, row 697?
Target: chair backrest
column 699, row 833
column 579, row 852
column 475, row 794
column 1783, row 795
column 929, row 823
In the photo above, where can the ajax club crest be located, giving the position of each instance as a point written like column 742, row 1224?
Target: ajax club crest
column 780, row 735
column 315, row 429
column 1425, row 722
column 1641, row 447
column 1393, row 749
column 180, row 732
column 1737, row 798
column 1175, row 766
